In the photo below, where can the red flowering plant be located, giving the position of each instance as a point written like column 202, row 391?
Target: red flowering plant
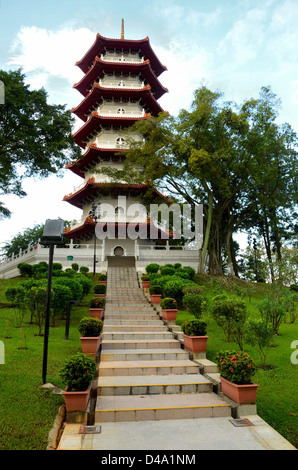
column 97, row 302
column 90, row 327
column 168, row 303
column 237, row 367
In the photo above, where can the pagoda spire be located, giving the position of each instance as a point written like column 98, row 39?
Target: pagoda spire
column 122, row 29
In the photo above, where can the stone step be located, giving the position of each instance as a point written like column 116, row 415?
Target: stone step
column 148, row 323
column 157, row 407
column 143, row 355
column 159, row 384
column 134, row 328
column 130, row 316
column 147, row 367
column 136, row 335
column 140, row 344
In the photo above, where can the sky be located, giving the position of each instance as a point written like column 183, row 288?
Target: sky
column 235, row 46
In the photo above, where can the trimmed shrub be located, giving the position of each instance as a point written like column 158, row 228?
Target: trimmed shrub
column 193, row 303
column 97, row 302
column 78, row 372
column 100, row 289
column 84, row 270
column 168, row 303
column 167, row 271
column 25, row 269
column 157, row 290
column 152, row 268
column 102, row 277
column 75, row 267
column 230, row 314
column 194, row 328
column 90, row 327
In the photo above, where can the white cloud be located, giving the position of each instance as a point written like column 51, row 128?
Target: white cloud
column 44, row 55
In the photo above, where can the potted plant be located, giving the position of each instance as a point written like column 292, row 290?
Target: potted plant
column 96, row 307
column 100, row 290
column 155, row 294
column 169, row 309
column 78, row 372
column 236, row 371
column 102, row 279
column 90, row 329
column 145, row 281
column 194, row 335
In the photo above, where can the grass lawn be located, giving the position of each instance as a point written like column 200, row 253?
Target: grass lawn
column 27, row 412
column 277, row 392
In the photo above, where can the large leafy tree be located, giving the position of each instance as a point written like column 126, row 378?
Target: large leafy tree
column 234, row 159
column 35, row 137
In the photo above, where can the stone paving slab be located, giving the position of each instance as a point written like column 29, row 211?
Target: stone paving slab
column 186, row 435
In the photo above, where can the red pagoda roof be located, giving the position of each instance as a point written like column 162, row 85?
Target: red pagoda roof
column 98, row 92
column 101, row 43
column 100, row 66
column 91, row 157
column 92, row 189
column 96, row 120
column 88, row 227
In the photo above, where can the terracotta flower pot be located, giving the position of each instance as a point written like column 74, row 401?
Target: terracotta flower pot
column 155, row 298
column 195, row 343
column 100, row 295
column 96, row 312
column 239, row 393
column 90, row 344
column 145, row 284
column 77, row 401
column 169, row 314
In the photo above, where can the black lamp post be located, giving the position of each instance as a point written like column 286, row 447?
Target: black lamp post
column 95, row 214
column 52, row 235
column 256, row 262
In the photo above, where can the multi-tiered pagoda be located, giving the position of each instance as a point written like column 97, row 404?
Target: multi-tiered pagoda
column 120, row 86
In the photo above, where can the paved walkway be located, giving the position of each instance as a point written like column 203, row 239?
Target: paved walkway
column 151, row 395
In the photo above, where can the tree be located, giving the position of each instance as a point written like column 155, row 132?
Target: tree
column 22, row 240
column 35, row 137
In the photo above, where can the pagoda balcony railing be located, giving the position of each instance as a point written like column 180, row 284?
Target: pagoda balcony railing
column 127, row 60
column 115, row 84
column 110, row 144
column 130, row 114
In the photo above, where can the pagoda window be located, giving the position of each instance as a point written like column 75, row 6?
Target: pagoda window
column 120, row 141
column 121, row 83
column 121, row 111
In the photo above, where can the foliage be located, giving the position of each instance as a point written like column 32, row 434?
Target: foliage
column 145, row 277
column 100, row 289
column 259, row 333
column 168, row 303
column 89, row 327
column 237, row 367
column 230, row 314
column 194, row 328
column 78, row 372
column 174, row 286
column 60, row 297
column 25, row 269
column 152, row 268
column 193, row 290
column 102, row 277
column 273, row 311
column 193, row 303
column 36, row 299
column 84, row 269
column 35, row 137
column 167, row 270
column 155, row 290
column 75, row 267
column 74, row 285
column 85, row 282
column 97, row 302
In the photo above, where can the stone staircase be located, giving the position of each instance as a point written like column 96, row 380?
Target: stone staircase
column 144, row 374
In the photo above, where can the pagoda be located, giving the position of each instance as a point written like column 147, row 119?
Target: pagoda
column 120, row 86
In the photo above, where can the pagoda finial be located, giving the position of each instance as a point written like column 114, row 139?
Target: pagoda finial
column 122, row 29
